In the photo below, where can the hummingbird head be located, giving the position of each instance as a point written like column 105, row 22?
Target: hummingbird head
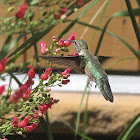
column 80, row 45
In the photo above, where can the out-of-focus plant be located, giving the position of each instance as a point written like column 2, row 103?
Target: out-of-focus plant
column 27, row 106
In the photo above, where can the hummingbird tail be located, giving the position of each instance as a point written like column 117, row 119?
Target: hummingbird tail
column 105, row 89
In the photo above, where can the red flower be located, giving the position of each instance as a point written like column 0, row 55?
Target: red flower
column 3, row 64
column 62, row 12
column 65, row 81
column 44, row 108
column 66, row 72
column 31, row 72
column 15, row 122
column 57, row 16
column 46, row 75
column 75, row 54
column 43, row 48
column 2, row 89
column 20, row 14
column 18, row 94
column 29, row 82
column 54, row 39
column 72, row 37
column 24, row 122
column 31, row 127
column 81, row 2
column 27, row 94
column 61, row 43
column 36, row 115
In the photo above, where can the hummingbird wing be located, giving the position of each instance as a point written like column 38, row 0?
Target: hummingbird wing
column 102, row 59
column 73, row 62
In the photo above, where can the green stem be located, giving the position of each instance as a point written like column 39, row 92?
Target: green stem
column 46, row 126
column 101, row 37
column 37, row 59
column 14, row 77
column 79, row 110
column 85, row 116
column 135, row 26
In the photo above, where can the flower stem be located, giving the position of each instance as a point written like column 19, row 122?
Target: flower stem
column 46, row 126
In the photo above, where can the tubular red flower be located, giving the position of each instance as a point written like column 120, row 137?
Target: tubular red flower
column 29, row 82
column 19, row 94
column 31, row 72
column 46, row 75
column 2, row 89
column 66, row 72
column 3, row 64
column 24, row 122
column 75, row 54
column 15, row 122
column 31, row 127
column 61, row 43
column 44, row 50
column 36, row 115
column 72, row 37
column 27, row 94
column 20, row 14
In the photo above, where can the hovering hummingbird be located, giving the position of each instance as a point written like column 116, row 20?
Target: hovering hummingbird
column 88, row 63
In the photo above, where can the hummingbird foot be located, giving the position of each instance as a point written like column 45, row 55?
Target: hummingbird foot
column 95, row 86
column 89, row 83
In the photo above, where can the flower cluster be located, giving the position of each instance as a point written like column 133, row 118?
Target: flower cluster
column 61, row 45
column 32, row 106
column 23, row 124
column 60, row 14
column 24, row 91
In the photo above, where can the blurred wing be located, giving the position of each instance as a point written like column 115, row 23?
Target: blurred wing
column 73, row 62
column 102, row 59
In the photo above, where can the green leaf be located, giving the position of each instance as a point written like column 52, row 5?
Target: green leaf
column 133, row 20
column 3, row 51
column 100, row 21
column 138, row 2
column 130, row 129
column 118, row 14
column 8, row 46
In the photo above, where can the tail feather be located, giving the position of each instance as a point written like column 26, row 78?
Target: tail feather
column 105, row 89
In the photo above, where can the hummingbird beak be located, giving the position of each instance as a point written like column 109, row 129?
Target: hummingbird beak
column 75, row 45
column 70, row 41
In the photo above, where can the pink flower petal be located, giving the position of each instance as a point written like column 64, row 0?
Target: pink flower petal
column 72, row 37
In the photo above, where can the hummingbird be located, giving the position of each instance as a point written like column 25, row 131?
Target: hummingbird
column 88, row 63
